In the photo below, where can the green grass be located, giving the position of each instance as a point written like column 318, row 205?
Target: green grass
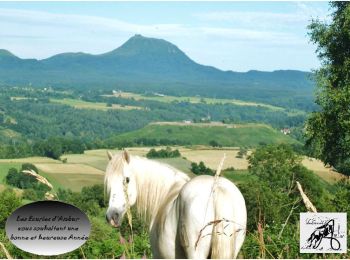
column 194, row 100
column 243, row 136
column 75, row 182
column 98, row 161
column 239, row 176
column 80, row 104
column 55, row 182
column 178, row 163
column 4, row 167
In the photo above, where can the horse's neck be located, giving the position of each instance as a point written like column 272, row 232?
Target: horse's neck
column 156, row 185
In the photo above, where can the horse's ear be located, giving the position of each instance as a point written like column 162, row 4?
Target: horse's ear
column 110, row 155
column 126, row 156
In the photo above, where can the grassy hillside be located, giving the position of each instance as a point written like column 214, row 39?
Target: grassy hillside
column 88, row 169
column 194, row 100
column 80, row 104
column 249, row 135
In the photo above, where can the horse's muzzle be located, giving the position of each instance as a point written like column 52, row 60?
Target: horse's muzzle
column 113, row 218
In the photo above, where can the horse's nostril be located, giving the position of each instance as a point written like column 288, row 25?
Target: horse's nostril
column 107, row 219
column 116, row 217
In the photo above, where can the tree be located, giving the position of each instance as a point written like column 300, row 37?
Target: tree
column 12, row 177
column 8, row 203
column 200, row 169
column 275, row 164
column 30, row 194
column 280, row 167
column 328, row 130
column 163, row 153
column 242, row 152
column 214, row 143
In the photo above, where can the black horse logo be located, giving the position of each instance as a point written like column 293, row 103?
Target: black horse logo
column 325, row 231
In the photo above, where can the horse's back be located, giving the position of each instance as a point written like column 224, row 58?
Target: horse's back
column 198, row 208
column 202, row 187
column 198, row 195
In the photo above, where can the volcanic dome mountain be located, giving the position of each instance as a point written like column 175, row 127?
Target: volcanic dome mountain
column 146, row 63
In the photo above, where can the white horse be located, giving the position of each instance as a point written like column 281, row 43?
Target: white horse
column 188, row 218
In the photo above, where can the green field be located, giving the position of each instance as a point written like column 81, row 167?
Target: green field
column 5, row 166
column 193, row 100
column 80, row 104
column 88, row 169
column 239, row 176
column 249, row 135
column 79, row 171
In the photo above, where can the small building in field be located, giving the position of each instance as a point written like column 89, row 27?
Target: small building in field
column 285, row 131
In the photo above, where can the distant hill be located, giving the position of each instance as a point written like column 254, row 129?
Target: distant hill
column 246, row 135
column 142, row 64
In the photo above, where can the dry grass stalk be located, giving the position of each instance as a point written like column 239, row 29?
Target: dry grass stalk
column 216, row 177
column 39, row 178
column 261, row 241
column 214, row 223
column 218, row 170
column 8, row 256
column 308, row 204
column 49, row 196
column 129, row 216
column 82, row 252
column 128, row 211
column 290, row 214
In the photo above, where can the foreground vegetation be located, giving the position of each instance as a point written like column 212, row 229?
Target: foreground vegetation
column 269, row 184
column 328, row 129
column 270, row 193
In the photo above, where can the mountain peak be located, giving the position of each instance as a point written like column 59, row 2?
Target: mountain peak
column 4, row 52
column 139, row 44
column 138, row 36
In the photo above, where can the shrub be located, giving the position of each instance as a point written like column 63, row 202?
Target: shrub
column 29, row 194
column 201, row 169
column 163, row 153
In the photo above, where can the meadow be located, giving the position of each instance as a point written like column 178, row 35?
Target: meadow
column 193, row 100
column 228, row 135
column 81, row 104
column 75, row 171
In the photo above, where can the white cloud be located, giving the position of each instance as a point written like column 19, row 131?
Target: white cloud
column 259, row 19
column 42, row 34
column 44, row 24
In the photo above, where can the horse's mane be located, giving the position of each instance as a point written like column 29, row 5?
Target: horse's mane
column 156, row 182
column 114, row 167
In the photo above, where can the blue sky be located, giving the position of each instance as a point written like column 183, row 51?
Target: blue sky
column 237, row 36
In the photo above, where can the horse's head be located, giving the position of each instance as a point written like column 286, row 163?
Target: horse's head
column 120, row 186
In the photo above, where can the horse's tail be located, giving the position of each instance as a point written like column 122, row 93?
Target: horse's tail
column 223, row 236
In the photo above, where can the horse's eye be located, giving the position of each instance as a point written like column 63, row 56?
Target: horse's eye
column 127, row 179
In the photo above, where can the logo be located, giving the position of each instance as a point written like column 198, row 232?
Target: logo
column 323, row 233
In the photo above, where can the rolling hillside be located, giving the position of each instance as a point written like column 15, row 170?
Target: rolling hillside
column 88, row 169
column 249, row 135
